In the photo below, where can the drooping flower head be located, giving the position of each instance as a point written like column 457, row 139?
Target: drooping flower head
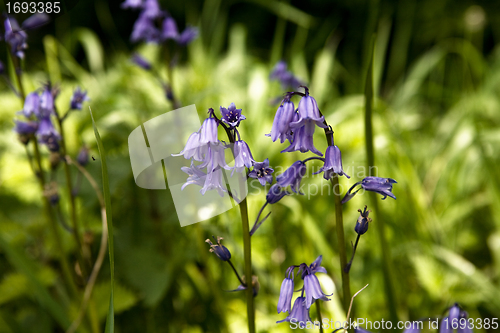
column 299, row 313
column 187, row 36
column 145, row 30
column 312, row 287
column 286, row 292
column 262, row 172
column 292, row 176
column 79, row 96
column 209, row 130
column 25, row 130
column 194, row 148
column 31, row 105
column 195, row 176
column 35, row 21
column 231, row 116
column 47, row 101
column 214, row 181
column 281, row 124
column 242, row 155
column 151, row 9
column 303, row 128
column 286, row 78
column 378, row 185
column 308, row 112
column 453, row 320
column 220, row 250
column 169, row 29
column 15, row 37
column 333, row 163
column 275, row 194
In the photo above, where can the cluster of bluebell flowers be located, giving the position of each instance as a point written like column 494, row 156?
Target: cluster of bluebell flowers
column 15, row 35
column 204, row 146
column 39, row 110
column 155, row 25
column 309, row 293
column 146, row 28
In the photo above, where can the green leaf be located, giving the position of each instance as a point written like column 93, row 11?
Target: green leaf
column 110, row 321
column 28, row 268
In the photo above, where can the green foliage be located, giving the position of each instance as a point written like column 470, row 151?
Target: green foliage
column 436, row 130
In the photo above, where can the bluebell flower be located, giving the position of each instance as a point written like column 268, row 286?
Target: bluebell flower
column 25, row 128
column 308, row 112
column 333, row 163
column 214, row 181
column 292, row 176
column 378, row 185
column 83, row 156
column 275, row 194
column 286, row 292
column 281, row 124
column 151, row 9
column 362, row 222
column 35, row 21
column 169, row 29
column 209, row 131
column 46, row 127
column 220, row 250
column 31, row 105
column 215, row 157
column 194, row 148
column 15, row 37
column 313, row 290
column 299, row 313
column 456, row 318
column 145, row 30
column 302, row 140
column 195, row 176
column 51, row 140
column 187, row 36
column 131, row 4
column 286, row 78
column 47, row 102
column 242, row 155
column 79, row 96
column 262, row 172
column 2, row 68
column 231, row 116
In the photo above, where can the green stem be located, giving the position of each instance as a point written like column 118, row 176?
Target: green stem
column 318, row 309
column 17, row 70
column 247, row 250
column 53, row 224
column 69, row 186
column 339, row 226
column 370, row 158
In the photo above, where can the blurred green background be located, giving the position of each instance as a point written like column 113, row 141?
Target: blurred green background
column 436, row 131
